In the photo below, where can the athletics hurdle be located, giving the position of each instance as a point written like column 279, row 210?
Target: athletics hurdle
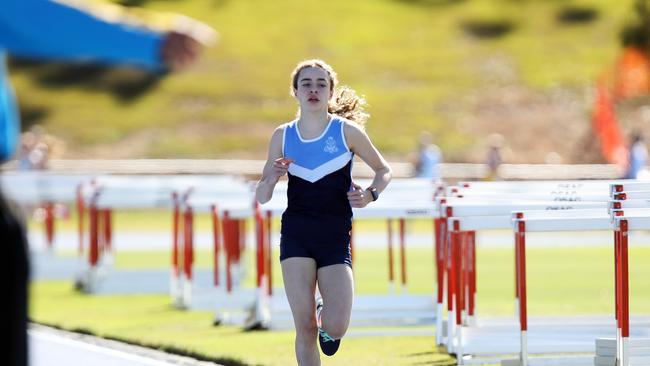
column 460, row 278
column 615, row 221
column 104, row 194
column 625, row 195
column 227, row 201
column 48, row 192
column 566, row 195
column 574, row 200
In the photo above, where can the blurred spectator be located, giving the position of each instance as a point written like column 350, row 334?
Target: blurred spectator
column 494, row 157
column 35, row 150
column 40, row 155
column 45, row 29
column 427, row 159
column 637, row 156
column 27, row 143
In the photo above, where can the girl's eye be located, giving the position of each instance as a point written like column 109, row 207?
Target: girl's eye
column 322, row 85
column 307, row 85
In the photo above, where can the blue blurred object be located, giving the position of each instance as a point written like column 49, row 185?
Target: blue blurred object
column 9, row 121
column 44, row 29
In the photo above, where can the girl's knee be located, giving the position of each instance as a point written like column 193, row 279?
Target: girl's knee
column 336, row 329
column 306, row 328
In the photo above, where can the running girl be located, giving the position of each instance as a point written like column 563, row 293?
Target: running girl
column 317, row 150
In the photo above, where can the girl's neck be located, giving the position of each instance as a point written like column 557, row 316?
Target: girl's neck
column 311, row 125
column 314, row 119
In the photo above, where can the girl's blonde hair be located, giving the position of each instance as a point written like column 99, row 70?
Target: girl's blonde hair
column 344, row 102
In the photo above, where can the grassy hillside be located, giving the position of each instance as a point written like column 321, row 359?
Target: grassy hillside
column 422, row 64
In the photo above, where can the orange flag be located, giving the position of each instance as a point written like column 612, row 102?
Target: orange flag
column 606, row 127
column 632, row 74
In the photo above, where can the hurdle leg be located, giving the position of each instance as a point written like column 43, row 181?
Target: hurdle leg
column 80, row 217
column 261, row 314
column 459, row 346
column 243, row 230
column 267, row 252
column 107, row 237
column 440, row 280
column 523, row 317
column 235, row 268
column 617, row 289
column 188, row 257
column 216, row 243
column 260, row 229
column 101, row 239
column 48, row 208
column 518, row 215
column 624, row 303
column 451, row 284
column 109, row 229
column 228, row 243
column 465, row 280
column 223, row 261
column 174, row 290
column 472, row 278
column 93, row 252
column 263, row 311
column 456, row 243
column 460, row 298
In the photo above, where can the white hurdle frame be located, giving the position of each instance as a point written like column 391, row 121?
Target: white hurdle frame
column 616, row 221
column 566, row 196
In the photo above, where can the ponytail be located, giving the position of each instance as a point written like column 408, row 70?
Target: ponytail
column 345, row 102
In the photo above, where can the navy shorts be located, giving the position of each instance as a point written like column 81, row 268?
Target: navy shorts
column 325, row 253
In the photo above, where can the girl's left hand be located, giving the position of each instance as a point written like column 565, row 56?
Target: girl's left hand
column 358, row 197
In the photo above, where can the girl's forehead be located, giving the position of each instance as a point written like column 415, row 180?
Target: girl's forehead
column 311, row 72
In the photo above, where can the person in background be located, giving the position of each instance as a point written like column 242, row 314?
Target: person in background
column 494, row 158
column 40, row 156
column 427, row 159
column 51, row 30
column 637, row 156
column 28, row 141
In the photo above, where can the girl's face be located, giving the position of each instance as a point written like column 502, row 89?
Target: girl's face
column 314, row 90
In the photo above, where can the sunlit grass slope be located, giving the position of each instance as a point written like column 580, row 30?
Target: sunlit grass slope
column 412, row 59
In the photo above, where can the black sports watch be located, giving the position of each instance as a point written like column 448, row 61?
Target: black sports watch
column 373, row 193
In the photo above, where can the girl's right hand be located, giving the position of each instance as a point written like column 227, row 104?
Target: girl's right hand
column 280, row 167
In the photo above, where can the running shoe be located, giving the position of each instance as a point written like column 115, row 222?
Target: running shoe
column 328, row 345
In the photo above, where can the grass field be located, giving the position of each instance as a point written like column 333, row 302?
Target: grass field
column 161, row 220
column 152, row 321
column 411, row 58
column 566, row 281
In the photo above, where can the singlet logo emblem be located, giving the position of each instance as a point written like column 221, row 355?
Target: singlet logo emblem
column 330, row 145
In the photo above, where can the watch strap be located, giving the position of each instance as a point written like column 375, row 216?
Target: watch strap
column 373, row 193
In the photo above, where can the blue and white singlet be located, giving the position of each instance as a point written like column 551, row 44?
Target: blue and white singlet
column 319, row 179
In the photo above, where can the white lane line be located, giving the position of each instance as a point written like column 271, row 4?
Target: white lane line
column 97, row 349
